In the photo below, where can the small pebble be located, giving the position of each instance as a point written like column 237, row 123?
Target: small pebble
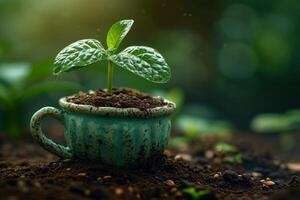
column 68, row 169
column 185, row 157
column 256, row 174
column 269, row 183
column 130, row 189
column 138, row 196
column 178, row 193
column 81, row 174
column 107, row 177
column 217, row 175
column 293, row 166
column 119, row 191
column 174, row 190
column 209, row 154
column 170, row 183
column 37, row 184
column 167, row 153
column 87, row 192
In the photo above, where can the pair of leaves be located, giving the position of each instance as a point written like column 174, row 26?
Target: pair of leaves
column 196, row 194
column 140, row 60
column 226, row 148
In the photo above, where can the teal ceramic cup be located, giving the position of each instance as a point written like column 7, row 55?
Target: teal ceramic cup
column 122, row 137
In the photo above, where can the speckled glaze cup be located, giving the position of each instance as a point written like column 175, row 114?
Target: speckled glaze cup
column 122, row 137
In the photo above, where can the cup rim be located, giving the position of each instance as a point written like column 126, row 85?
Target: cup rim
column 118, row 112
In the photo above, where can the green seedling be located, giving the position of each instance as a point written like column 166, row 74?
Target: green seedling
column 232, row 155
column 226, row 148
column 177, row 142
column 195, row 194
column 234, row 159
column 18, row 84
column 143, row 61
column 276, row 123
column 199, row 127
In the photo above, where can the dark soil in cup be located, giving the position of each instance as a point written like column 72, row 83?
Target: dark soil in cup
column 120, row 98
column 28, row 172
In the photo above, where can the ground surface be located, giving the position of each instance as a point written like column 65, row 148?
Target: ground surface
column 28, row 172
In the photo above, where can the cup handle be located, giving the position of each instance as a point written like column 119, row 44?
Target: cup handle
column 38, row 135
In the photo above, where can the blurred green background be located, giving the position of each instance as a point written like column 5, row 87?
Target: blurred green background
column 230, row 60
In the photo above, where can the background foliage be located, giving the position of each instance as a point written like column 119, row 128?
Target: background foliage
column 231, row 59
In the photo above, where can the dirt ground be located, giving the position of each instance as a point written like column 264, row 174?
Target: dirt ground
column 201, row 172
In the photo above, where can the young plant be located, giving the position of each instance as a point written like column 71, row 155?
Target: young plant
column 233, row 159
column 196, row 194
column 232, row 155
column 226, row 148
column 140, row 60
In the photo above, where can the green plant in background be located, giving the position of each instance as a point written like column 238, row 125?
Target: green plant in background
column 140, row 60
column 197, row 127
column 18, row 83
column 196, row 194
column 231, row 153
column 282, row 124
column 272, row 123
column 226, row 148
column 233, row 159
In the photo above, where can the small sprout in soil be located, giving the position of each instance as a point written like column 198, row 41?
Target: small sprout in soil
column 143, row 61
column 226, row 148
column 276, row 123
column 178, row 142
column 194, row 193
column 235, row 159
column 231, row 153
column 198, row 127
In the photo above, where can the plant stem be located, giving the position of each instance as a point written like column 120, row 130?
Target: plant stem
column 109, row 77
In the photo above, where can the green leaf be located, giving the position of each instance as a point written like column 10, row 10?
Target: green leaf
column 196, row 194
column 117, row 33
column 236, row 159
column 145, row 62
column 78, row 54
column 226, row 148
